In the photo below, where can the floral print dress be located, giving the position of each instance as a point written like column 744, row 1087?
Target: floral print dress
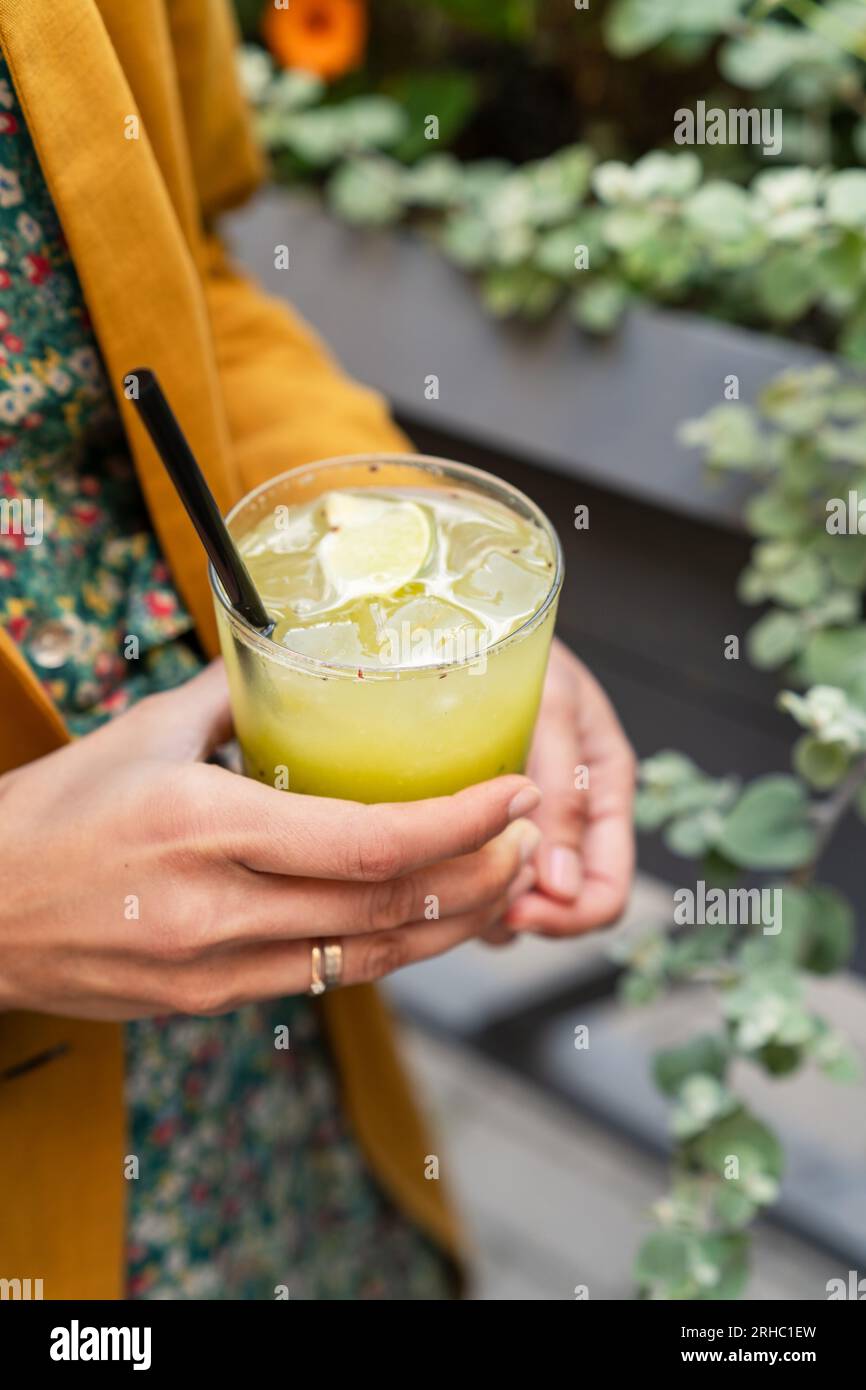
column 249, row 1183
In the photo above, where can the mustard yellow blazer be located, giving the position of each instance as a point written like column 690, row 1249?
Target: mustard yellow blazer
column 257, row 394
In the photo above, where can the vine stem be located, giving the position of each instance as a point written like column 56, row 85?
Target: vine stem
column 827, row 815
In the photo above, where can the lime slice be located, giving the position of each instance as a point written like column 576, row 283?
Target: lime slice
column 376, row 545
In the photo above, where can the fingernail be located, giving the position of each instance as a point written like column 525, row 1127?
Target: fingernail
column 523, row 802
column 521, row 884
column 561, row 871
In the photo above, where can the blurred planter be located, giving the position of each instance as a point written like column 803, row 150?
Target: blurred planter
column 649, row 595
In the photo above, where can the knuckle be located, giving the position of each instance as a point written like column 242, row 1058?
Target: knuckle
column 390, row 903
column 375, row 856
column 167, row 801
column 473, row 820
column 182, row 936
column 176, row 943
column 199, row 997
column 383, row 956
column 178, row 809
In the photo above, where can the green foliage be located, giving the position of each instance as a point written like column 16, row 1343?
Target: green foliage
column 683, row 1264
column 451, row 94
column 769, row 827
column 819, row 928
column 805, row 58
column 803, row 446
column 249, row 16
column 788, row 250
column 802, row 442
column 507, row 19
column 790, row 246
column 707, row 1055
column 633, row 26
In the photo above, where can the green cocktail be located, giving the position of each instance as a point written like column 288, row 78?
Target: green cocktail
column 414, row 602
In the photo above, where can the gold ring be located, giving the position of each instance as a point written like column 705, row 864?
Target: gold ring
column 333, row 964
column 326, row 967
column 317, row 985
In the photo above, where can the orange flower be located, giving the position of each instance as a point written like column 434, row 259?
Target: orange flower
column 326, row 37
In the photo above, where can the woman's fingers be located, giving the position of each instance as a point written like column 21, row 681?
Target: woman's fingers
column 321, row 837
column 500, row 934
column 603, row 898
column 370, row 958
column 271, row 907
column 586, row 860
column 227, row 980
column 555, row 754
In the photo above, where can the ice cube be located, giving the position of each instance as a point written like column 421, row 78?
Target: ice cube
column 339, row 643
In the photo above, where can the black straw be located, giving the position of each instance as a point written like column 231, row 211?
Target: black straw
column 168, row 438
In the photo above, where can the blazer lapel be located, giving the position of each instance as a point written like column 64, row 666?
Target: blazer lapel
column 130, row 233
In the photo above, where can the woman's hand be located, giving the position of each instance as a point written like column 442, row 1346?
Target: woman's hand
column 139, row 881
column 585, row 769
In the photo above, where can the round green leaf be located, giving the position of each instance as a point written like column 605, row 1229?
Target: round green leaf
column 776, row 513
column 599, row 306
column 742, row 1136
column 691, row 836
column 733, row 1209
column 775, row 639
column 831, row 932
column 822, row 765
column 721, row 1267
column 664, row 1258
column 451, row 94
column 837, row 658
column 707, row 1054
column 845, row 199
column 668, row 769
column 760, row 56
column 367, row 192
column 633, row 26
column 800, row 584
column 848, row 560
column 720, row 212
column 769, row 827
column 788, row 283
column 651, row 809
